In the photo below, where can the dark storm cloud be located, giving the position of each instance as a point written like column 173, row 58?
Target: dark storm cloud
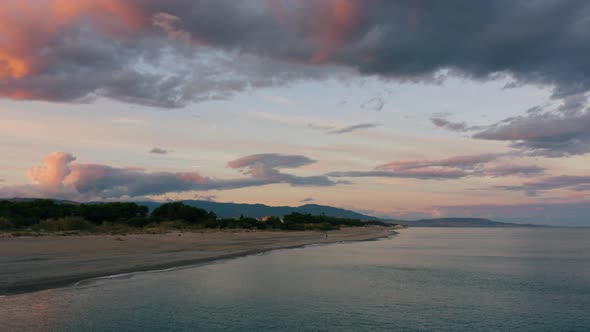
column 132, row 51
column 164, row 53
column 411, row 39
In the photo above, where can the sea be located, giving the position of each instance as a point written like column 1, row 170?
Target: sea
column 423, row 279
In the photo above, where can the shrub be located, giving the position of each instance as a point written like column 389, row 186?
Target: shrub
column 65, row 224
column 320, row 227
column 177, row 224
column 26, row 233
column 272, row 222
column 113, row 228
column 5, row 223
column 293, row 226
column 137, row 221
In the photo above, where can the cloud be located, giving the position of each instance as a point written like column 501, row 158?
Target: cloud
column 422, row 174
column 352, row 128
column 453, row 126
column 307, row 200
column 460, row 162
column 375, row 104
column 61, row 177
column 512, row 170
column 571, row 182
column 170, row 53
column 266, row 168
column 444, row 169
column 135, row 52
column 264, row 161
column 331, row 129
column 210, row 198
column 442, row 122
column 559, row 132
column 158, row 151
column 55, row 169
column 170, row 24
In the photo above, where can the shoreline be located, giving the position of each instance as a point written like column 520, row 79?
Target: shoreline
column 32, row 264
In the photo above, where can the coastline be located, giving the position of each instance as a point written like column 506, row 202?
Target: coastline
column 31, row 264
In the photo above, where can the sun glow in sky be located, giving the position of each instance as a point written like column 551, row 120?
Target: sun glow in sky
column 402, row 109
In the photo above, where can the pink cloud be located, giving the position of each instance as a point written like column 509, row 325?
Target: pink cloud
column 54, row 171
column 450, row 168
column 61, row 177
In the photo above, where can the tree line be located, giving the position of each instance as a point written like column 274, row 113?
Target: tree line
column 49, row 215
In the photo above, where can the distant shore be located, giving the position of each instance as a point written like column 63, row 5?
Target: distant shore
column 37, row 263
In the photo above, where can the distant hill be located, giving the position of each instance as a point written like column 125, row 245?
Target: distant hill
column 231, row 210
column 461, row 222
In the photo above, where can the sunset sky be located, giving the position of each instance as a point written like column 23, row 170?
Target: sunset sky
column 402, row 109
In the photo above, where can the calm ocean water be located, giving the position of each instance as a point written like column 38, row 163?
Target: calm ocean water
column 421, row 280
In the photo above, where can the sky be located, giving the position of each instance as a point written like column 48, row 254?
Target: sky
column 399, row 109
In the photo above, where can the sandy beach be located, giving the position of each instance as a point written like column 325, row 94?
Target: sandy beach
column 36, row 263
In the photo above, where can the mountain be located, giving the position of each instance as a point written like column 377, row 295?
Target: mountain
column 232, row 210
column 461, row 222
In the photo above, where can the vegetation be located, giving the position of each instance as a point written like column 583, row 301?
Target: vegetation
column 180, row 211
column 41, row 216
column 63, row 224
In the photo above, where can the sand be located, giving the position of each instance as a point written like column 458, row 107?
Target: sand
column 35, row 263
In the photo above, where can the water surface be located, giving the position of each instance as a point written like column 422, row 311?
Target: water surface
column 425, row 279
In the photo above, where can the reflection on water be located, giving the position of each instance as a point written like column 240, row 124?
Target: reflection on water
column 421, row 280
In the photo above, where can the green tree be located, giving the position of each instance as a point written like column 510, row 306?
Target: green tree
column 181, row 211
